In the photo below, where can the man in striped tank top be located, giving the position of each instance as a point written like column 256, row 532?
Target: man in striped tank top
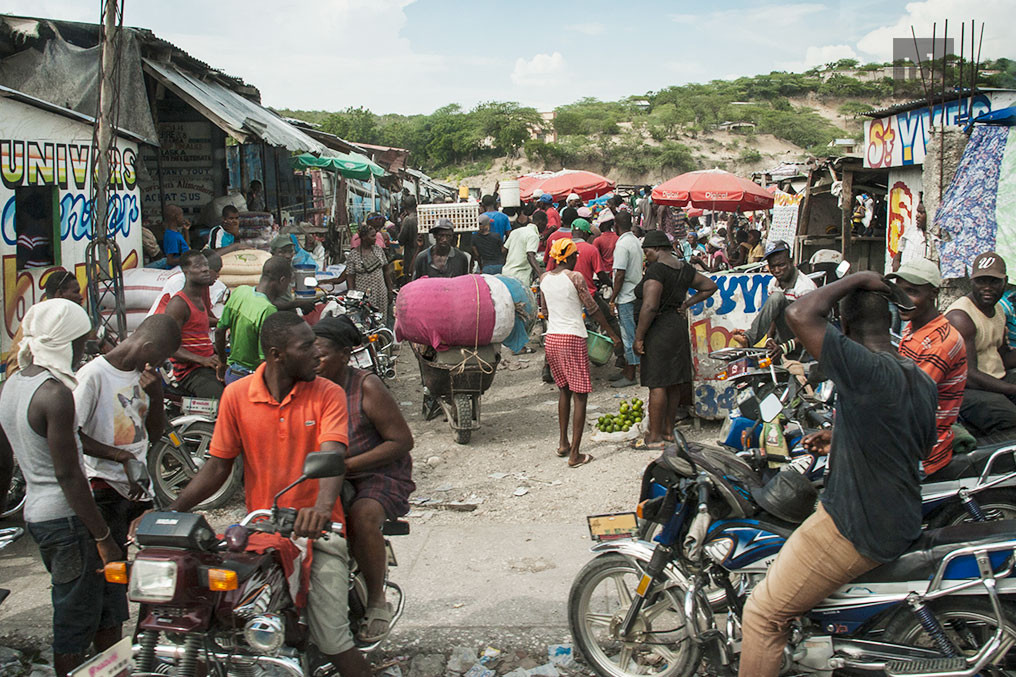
column 937, row 348
column 194, row 364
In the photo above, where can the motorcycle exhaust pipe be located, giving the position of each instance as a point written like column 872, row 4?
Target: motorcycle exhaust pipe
column 290, row 666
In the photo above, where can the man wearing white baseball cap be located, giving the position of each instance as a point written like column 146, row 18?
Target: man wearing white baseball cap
column 936, row 347
column 989, row 401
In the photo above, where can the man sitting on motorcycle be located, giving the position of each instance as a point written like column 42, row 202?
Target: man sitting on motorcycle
column 274, row 418
column 194, row 364
column 870, row 511
column 788, row 285
column 989, row 401
column 936, row 347
column 378, row 463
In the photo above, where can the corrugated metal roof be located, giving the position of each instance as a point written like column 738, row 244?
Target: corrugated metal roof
column 921, row 103
column 239, row 117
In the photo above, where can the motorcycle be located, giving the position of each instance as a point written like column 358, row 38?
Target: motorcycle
column 222, row 606
column 7, row 537
column 947, row 606
column 377, row 355
column 17, row 492
column 177, row 456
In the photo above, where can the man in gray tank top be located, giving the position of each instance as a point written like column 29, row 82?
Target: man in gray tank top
column 37, row 424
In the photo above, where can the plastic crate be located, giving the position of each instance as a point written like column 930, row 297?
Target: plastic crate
column 464, row 216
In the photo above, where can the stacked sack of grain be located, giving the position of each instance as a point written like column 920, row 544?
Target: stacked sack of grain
column 243, row 267
column 470, row 310
column 141, row 288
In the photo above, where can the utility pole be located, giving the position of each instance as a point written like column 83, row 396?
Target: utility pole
column 103, row 261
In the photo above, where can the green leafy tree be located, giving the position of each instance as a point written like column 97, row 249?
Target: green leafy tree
column 507, row 123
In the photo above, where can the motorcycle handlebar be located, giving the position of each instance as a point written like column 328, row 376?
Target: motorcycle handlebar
column 333, row 527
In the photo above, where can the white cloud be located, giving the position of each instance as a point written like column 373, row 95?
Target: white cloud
column 541, row 69
column 590, row 29
column 819, row 56
column 996, row 15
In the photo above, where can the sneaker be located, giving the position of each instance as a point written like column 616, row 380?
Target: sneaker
column 616, row 376
column 623, row 383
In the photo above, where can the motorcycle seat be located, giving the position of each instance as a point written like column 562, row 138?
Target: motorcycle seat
column 921, row 560
column 973, row 464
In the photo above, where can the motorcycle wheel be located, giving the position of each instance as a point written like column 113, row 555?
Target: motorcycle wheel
column 170, row 473
column 716, row 595
column 597, row 604
column 16, row 494
column 463, row 412
column 968, row 623
column 997, row 504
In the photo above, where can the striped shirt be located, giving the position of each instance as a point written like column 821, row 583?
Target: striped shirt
column 938, row 350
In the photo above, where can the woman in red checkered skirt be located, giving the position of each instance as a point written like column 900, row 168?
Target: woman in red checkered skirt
column 563, row 297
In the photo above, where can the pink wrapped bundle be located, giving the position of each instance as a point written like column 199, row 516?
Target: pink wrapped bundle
column 444, row 312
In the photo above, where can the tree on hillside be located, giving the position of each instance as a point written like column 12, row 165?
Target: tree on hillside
column 353, row 124
column 507, row 123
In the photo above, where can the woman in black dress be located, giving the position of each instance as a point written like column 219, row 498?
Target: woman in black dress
column 662, row 333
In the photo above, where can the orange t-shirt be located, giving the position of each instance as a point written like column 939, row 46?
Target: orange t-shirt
column 274, row 437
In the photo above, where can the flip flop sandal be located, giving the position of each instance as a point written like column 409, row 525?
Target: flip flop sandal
column 641, row 445
column 561, row 453
column 372, row 618
column 583, row 459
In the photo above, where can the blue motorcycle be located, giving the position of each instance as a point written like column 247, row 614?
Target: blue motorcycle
column 946, row 607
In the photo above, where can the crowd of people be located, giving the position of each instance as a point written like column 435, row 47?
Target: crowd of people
column 632, row 269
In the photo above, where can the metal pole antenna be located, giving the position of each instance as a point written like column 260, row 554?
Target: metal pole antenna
column 103, row 262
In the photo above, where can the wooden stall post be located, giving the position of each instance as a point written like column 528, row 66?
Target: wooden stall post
column 847, row 200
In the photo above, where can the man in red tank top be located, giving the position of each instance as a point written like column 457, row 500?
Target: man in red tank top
column 195, row 363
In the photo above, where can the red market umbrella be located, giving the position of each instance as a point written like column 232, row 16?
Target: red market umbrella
column 693, row 212
column 560, row 184
column 713, row 189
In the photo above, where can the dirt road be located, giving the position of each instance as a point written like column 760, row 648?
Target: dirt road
column 498, row 574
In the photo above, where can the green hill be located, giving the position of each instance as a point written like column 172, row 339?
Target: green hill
column 739, row 124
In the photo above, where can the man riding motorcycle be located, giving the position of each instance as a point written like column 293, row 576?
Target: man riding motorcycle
column 870, row 511
column 788, row 285
column 274, row 418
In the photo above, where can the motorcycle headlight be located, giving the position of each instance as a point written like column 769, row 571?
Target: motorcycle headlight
column 265, row 633
column 152, row 581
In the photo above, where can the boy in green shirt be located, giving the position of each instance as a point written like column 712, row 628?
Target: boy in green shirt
column 242, row 317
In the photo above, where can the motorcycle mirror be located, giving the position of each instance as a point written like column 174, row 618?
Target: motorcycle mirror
column 771, row 407
column 842, row 269
column 321, row 464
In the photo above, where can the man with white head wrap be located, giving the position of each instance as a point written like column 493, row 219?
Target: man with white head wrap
column 37, row 424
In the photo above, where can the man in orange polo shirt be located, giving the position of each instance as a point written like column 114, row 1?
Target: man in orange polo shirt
column 274, row 418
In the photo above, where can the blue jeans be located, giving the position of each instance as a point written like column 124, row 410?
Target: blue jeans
column 626, row 318
column 493, row 268
column 83, row 602
column 235, row 372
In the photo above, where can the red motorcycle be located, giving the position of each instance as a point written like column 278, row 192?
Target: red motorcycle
column 218, row 606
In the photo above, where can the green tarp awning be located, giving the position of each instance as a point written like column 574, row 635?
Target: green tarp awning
column 351, row 165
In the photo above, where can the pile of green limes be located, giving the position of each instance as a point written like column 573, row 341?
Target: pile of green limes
column 628, row 415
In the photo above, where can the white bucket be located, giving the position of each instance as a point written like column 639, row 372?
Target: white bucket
column 510, row 194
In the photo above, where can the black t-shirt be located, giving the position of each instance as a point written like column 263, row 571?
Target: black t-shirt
column 458, row 264
column 489, row 247
column 885, row 425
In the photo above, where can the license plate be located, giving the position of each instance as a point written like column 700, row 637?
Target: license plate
column 197, row 405
column 113, row 662
column 738, row 367
column 613, row 527
column 361, row 359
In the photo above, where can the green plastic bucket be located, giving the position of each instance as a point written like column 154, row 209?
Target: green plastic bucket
column 600, row 348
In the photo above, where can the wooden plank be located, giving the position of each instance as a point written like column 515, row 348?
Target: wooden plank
column 847, row 199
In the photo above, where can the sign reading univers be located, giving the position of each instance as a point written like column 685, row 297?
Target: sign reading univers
column 786, row 208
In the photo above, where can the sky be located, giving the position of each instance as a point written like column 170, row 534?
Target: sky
column 414, row 56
